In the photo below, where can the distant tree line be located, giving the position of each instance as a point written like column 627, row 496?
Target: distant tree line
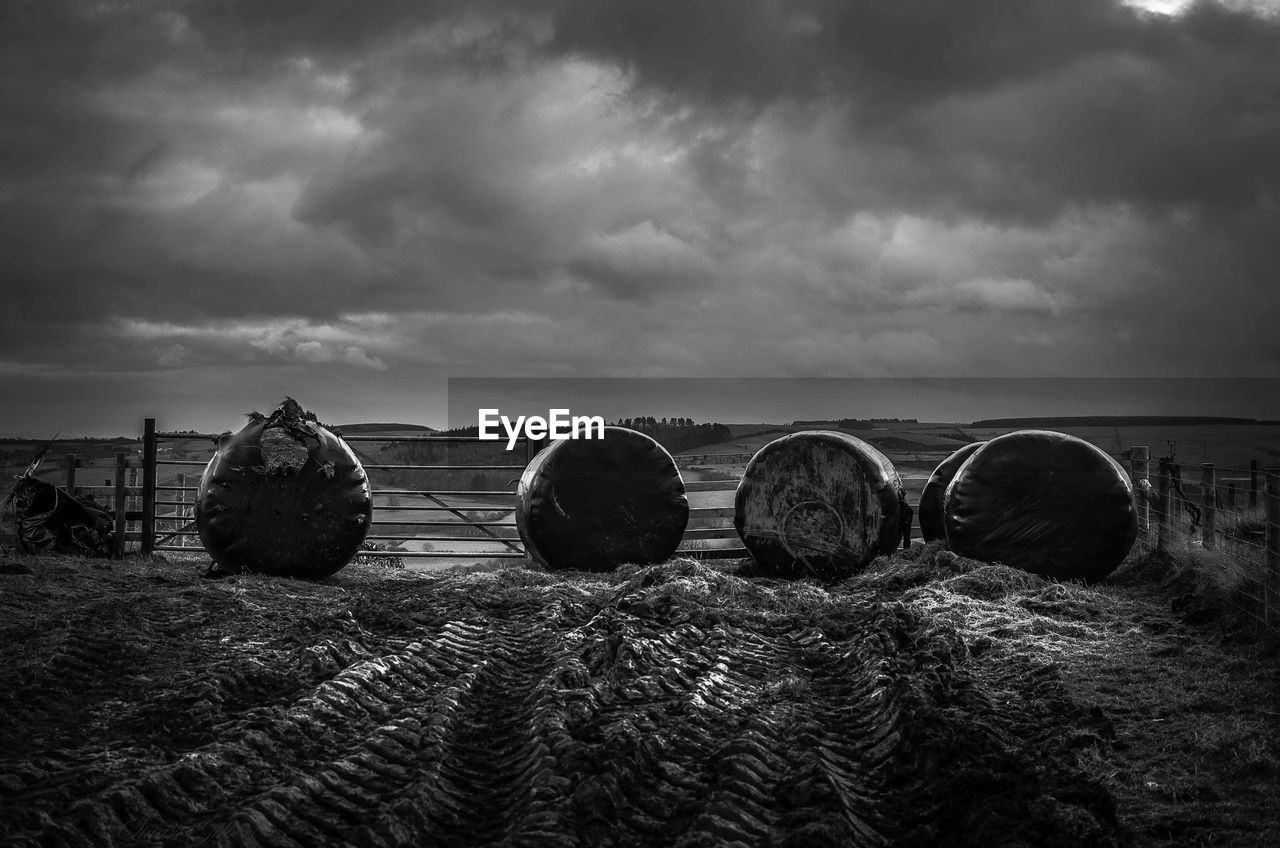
column 677, row 434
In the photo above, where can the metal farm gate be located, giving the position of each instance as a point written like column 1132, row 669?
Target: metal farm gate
column 440, row 522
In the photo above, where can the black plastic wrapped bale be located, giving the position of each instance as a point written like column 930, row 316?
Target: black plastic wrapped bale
column 1045, row 502
column 932, row 524
column 284, row 496
column 594, row 504
column 818, row 503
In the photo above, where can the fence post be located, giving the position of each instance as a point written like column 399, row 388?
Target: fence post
column 121, row 505
column 1208, row 505
column 1231, row 496
column 149, row 486
column 1272, row 593
column 1139, row 470
column 70, row 465
column 181, row 510
column 1162, row 509
column 1253, row 483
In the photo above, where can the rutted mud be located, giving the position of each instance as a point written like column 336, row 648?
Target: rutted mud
column 670, row 705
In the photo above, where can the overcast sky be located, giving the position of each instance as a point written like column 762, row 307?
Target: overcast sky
column 205, row 205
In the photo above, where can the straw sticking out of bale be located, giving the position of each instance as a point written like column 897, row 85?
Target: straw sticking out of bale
column 285, row 496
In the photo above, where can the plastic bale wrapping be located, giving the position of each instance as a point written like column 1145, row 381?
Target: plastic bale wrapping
column 932, row 524
column 284, row 496
column 48, row 520
column 594, row 504
column 819, row 504
column 1044, row 502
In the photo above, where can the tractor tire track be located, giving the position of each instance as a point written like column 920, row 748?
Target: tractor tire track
column 635, row 711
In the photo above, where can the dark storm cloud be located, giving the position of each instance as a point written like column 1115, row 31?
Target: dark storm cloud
column 1002, row 107
column 799, row 187
column 888, row 55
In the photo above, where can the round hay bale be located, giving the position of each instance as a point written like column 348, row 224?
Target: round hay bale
column 932, row 525
column 818, row 503
column 283, row 495
column 1044, row 502
column 595, row 504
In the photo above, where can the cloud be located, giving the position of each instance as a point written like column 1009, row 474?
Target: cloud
column 314, row 351
column 286, row 339
column 172, row 356
column 616, row 186
column 640, row 260
column 993, row 295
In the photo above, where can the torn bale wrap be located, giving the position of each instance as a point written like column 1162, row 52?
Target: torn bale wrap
column 595, row 504
column 932, row 525
column 285, row 496
column 818, row 503
column 49, row 520
column 1045, row 502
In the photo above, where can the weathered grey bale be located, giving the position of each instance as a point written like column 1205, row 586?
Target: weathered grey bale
column 595, row 504
column 818, row 503
column 1044, row 502
column 284, row 496
column 932, row 524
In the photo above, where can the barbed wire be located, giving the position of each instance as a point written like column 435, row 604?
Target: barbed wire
column 1174, row 470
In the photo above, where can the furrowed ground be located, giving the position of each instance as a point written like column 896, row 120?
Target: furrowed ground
column 933, row 700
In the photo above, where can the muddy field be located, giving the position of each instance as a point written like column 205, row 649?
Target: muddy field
column 931, row 701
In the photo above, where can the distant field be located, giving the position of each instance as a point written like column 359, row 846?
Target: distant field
column 1227, row 445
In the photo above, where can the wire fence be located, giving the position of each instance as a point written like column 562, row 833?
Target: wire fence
column 1231, row 512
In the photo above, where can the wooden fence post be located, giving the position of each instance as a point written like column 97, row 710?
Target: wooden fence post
column 1253, row 483
column 70, row 465
column 1163, row 508
column 1208, row 505
column 1231, row 496
column 149, row 486
column 181, row 509
column 1272, row 592
column 1139, row 470
column 121, row 505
